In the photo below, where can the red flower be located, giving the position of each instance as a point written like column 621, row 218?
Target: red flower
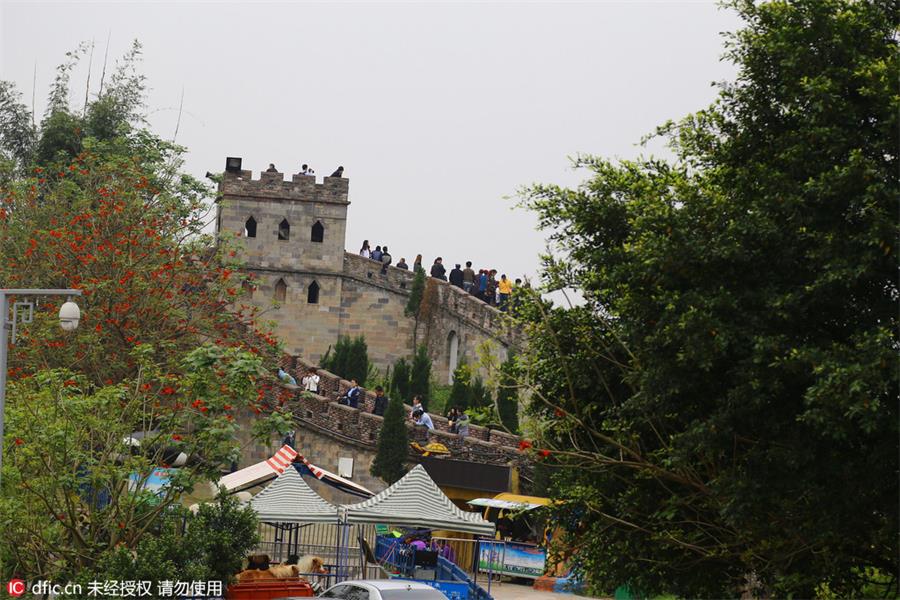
column 226, row 407
column 524, row 445
column 544, row 453
column 145, row 386
column 69, row 382
column 559, row 412
column 19, row 441
column 168, row 390
column 176, row 437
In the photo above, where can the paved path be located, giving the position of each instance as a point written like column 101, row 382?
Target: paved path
column 512, row 591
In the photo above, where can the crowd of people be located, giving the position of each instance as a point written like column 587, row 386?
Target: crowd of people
column 307, row 170
column 484, row 284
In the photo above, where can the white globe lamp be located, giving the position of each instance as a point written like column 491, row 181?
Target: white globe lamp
column 69, row 315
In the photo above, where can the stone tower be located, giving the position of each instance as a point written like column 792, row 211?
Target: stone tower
column 292, row 233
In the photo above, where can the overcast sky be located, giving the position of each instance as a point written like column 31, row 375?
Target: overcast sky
column 438, row 112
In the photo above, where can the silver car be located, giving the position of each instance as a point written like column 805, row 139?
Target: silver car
column 383, row 589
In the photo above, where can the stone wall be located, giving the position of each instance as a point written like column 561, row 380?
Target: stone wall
column 374, row 304
column 355, row 297
column 323, row 411
column 327, row 431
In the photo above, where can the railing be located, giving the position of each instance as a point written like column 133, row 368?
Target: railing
column 401, row 556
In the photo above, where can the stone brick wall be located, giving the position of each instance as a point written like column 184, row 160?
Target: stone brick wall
column 374, row 304
column 301, row 201
column 327, row 431
column 323, row 411
column 355, row 297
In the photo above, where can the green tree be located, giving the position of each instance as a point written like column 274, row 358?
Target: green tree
column 91, row 200
column 420, row 375
column 393, row 443
column 74, row 489
column 400, row 380
column 459, row 392
column 479, row 394
column 349, row 359
column 724, row 404
column 414, row 303
column 508, row 395
column 208, row 546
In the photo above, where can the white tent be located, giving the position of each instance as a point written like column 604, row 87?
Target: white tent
column 417, row 501
column 289, row 499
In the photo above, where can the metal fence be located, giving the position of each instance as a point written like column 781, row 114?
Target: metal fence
column 337, row 545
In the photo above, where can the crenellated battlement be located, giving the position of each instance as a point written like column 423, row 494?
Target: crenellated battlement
column 448, row 297
column 274, row 186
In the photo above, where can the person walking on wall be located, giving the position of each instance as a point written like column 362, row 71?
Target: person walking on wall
column 376, row 254
column 311, row 382
column 417, row 403
column 504, row 286
column 456, row 276
column 468, row 277
column 285, row 376
column 351, row 398
column 381, row 401
column 365, row 252
column 385, row 260
column 402, row 265
column 422, row 418
column 417, row 264
column 437, row 269
column 482, row 285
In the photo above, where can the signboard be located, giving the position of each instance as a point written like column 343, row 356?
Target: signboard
column 511, row 558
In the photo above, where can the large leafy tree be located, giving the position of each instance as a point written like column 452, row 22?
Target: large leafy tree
column 90, row 199
column 724, row 404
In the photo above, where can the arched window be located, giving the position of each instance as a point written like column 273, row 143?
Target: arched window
column 250, row 227
column 318, row 232
column 280, row 291
column 284, row 230
column 312, row 293
column 452, row 354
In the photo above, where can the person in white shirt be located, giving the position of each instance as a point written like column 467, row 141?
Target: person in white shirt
column 311, row 382
column 417, row 405
column 422, row 418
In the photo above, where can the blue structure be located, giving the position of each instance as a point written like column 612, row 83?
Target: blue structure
column 451, row 580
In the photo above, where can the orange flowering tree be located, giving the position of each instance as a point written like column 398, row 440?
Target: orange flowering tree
column 165, row 353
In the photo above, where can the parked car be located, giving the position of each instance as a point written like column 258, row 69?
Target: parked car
column 383, row 589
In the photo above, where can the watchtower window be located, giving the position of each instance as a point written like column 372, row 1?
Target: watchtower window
column 312, row 294
column 280, row 291
column 318, row 232
column 250, row 227
column 284, row 230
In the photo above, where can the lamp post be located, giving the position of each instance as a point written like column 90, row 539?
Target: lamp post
column 69, row 314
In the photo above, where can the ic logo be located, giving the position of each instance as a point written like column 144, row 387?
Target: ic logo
column 15, row 587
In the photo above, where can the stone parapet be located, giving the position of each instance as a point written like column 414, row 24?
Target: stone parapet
column 451, row 298
column 272, row 186
column 323, row 412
